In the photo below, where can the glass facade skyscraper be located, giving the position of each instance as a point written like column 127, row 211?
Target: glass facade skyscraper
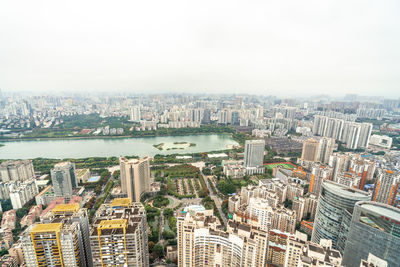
column 336, row 203
column 375, row 229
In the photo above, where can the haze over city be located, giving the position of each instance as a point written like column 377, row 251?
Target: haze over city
column 259, row 47
column 199, row 133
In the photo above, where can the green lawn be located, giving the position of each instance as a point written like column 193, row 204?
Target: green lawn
column 270, row 166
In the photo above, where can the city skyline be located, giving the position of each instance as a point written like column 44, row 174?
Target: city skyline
column 260, row 48
column 199, row 133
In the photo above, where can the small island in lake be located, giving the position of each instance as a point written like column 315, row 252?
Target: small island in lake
column 173, row 146
column 159, row 146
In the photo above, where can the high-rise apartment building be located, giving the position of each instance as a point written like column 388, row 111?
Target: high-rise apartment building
column 64, row 179
column 334, row 128
column 370, row 113
column 310, row 150
column 277, row 243
column 61, row 240
column 21, row 193
column 325, row 149
column 318, row 149
column 354, row 135
column 254, row 156
column 300, row 252
column 319, row 173
column 268, row 217
column 335, row 204
column 352, row 163
column 19, row 170
column 206, row 117
column 365, row 135
column 203, row 242
column 135, row 114
column 386, row 186
column 135, row 177
column 375, row 229
column 320, row 125
column 118, row 236
column 373, row 261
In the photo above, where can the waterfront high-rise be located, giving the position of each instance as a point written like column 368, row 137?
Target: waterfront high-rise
column 64, row 179
column 335, row 206
column 135, row 114
column 254, row 156
column 386, row 186
column 61, row 240
column 375, row 229
column 118, row 236
column 135, row 177
column 19, row 170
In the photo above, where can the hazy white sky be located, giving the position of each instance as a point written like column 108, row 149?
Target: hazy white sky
column 218, row 46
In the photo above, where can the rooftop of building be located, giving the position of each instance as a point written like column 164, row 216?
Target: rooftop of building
column 345, row 191
column 66, row 208
column 9, row 163
column 381, row 209
column 118, row 220
column 62, row 164
column 120, row 202
column 80, row 172
column 46, row 227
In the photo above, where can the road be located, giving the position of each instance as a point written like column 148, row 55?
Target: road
column 216, row 199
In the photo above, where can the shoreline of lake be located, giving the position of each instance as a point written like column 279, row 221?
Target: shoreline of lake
column 112, row 146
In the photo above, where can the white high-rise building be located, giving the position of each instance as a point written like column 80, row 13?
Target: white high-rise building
column 135, row 177
column 320, row 125
column 202, row 241
column 267, row 217
column 23, row 193
column 254, row 156
column 135, row 114
column 354, row 135
column 300, row 252
column 365, row 134
column 19, row 170
column 334, row 128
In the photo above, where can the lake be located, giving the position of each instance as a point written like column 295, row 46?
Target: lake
column 107, row 147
